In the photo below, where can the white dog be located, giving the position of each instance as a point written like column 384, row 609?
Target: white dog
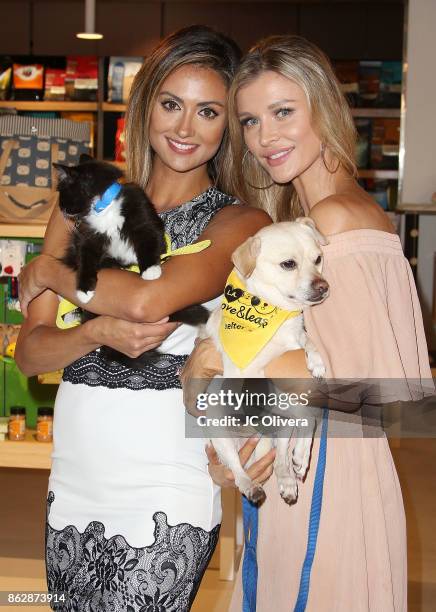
column 277, row 274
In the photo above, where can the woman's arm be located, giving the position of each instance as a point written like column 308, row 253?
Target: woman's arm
column 186, row 279
column 42, row 347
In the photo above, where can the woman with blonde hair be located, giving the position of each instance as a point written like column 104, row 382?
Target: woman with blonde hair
column 133, row 516
column 293, row 143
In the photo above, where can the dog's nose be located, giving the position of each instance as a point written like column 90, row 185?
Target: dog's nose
column 320, row 287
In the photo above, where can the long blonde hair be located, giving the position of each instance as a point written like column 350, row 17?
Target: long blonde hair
column 306, row 65
column 197, row 45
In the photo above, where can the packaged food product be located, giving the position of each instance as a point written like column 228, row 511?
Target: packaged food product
column 390, row 84
column 54, row 84
column 17, row 423
column 5, row 81
column 44, row 425
column 81, row 79
column 385, row 143
column 120, row 153
column 122, row 71
column 348, row 75
column 28, row 81
column 369, row 83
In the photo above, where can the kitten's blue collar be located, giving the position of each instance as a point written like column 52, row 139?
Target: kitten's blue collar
column 107, row 198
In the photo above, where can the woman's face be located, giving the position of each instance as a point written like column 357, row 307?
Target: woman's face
column 274, row 113
column 189, row 118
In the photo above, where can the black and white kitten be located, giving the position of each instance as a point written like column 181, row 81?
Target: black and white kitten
column 116, row 226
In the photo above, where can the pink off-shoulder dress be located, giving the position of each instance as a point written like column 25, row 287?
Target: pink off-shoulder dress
column 369, row 327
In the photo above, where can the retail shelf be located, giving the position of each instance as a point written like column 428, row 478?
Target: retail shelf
column 24, row 230
column 378, row 174
column 28, row 453
column 429, row 209
column 388, row 113
column 49, row 105
column 108, row 107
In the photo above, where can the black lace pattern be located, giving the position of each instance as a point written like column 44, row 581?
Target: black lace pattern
column 97, row 573
column 183, row 224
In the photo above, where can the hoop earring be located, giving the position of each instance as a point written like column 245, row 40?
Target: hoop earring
column 323, row 149
column 248, row 183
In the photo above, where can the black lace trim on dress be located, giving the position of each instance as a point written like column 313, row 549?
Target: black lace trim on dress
column 98, row 573
column 183, row 224
column 94, row 371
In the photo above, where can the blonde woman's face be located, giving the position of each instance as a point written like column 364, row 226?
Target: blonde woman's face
column 189, row 118
column 275, row 119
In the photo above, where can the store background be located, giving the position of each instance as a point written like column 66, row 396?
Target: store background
column 347, row 30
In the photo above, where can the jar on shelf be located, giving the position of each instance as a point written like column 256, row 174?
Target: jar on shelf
column 44, row 425
column 17, row 423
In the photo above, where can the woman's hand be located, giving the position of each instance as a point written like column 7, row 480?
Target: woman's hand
column 131, row 339
column 31, row 280
column 259, row 471
column 203, row 364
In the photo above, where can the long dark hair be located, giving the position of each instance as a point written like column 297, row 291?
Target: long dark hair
column 199, row 45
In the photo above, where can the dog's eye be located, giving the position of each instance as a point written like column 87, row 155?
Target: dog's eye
column 318, row 260
column 289, row 264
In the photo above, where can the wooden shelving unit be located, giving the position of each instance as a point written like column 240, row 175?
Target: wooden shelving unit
column 376, row 173
column 28, row 453
column 24, row 230
column 374, row 113
column 108, row 107
column 51, row 105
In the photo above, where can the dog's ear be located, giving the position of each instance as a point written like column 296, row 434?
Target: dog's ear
column 310, row 224
column 244, row 258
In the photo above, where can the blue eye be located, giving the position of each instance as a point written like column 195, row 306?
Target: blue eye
column 249, row 122
column 284, row 112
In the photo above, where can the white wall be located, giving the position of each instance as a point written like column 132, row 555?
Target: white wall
column 419, row 178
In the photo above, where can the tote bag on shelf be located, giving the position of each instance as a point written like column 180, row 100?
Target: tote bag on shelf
column 29, row 147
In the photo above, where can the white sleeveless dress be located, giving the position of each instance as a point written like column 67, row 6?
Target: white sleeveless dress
column 133, row 516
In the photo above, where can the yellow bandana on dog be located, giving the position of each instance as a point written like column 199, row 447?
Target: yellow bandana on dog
column 247, row 322
column 68, row 314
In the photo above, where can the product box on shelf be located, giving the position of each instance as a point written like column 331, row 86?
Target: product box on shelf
column 385, row 143
column 28, row 81
column 81, row 79
column 348, row 75
column 122, row 71
column 54, row 84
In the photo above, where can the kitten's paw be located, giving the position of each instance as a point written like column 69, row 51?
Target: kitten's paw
column 152, row 273
column 85, row 296
column 315, row 364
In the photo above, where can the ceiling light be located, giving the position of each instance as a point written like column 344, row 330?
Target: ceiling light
column 89, row 33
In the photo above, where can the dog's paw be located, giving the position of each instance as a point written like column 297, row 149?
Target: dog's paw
column 288, row 488
column 301, row 457
column 152, row 273
column 315, row 364
column 85, row 296
column 256, row 494
column 300, row 465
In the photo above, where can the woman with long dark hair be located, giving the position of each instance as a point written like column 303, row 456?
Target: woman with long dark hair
column 133, row 516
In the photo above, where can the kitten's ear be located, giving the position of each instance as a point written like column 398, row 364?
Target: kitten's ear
column 63, row 172
column 85, row 158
